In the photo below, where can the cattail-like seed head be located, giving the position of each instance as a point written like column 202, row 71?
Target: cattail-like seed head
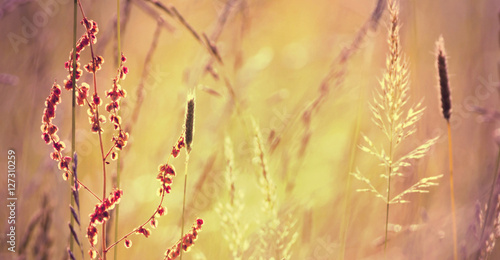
column 443, row 79
column 189, row 125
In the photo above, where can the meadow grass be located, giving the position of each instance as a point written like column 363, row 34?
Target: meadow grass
column 281, row 116
column 397, row 120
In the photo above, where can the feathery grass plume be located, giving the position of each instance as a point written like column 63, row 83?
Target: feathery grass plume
column 444, row 87
column 188, row 139
column 231, row 212
column 276, row 237
column 397, row 120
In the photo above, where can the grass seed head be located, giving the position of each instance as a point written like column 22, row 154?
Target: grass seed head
column 189, row 125
column 443, row 79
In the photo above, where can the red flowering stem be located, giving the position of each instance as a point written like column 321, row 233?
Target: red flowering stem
column 180, row 144
column 109, row 151
column 141, row 226
column 102, row 149
column 185, row 243
column 79, row 182
column 99, row 131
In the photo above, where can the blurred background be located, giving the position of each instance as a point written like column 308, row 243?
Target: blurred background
column 302, row 75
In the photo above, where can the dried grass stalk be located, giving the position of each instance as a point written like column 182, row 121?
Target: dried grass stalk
column 443, row 79
column 397, row 120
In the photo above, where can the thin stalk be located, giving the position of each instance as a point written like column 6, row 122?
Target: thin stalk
column 119, row 56
column 103, row 166
column 73, row 114
column 145, row 223
column 103, row 191
column 347, row 199
column 452, row 195
column 488, row 206
column 100, row 142
column 104, row 251
column 389, row 173
column 184, row 201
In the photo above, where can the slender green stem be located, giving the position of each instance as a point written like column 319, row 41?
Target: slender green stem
column 184, row 201
column 73, row 115
column 452, row 195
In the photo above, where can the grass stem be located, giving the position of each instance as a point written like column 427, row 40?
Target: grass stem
column 73, row 114
column 452, row 195
column 184, row 201
column 389, row 173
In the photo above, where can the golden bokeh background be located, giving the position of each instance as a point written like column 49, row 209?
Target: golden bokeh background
column 275, row 56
